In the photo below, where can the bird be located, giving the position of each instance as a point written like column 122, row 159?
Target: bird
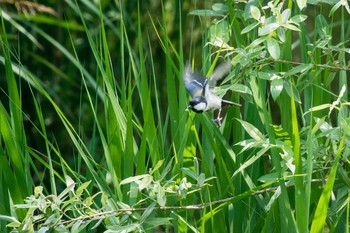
column 201, row 90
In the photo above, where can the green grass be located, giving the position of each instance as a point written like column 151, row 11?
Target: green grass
column 94, row 136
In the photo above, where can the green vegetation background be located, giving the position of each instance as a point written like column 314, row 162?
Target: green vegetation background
column 94, row 135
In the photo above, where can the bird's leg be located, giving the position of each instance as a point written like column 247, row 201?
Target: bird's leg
column 218, row 118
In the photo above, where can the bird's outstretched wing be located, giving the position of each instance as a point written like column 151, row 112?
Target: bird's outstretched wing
column 220, row 72
column 194, row 81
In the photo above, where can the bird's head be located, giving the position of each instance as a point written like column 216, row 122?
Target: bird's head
column 198, row 104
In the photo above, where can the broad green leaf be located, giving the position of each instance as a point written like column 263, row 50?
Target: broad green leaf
column 268, row 75
column 281, row 32
column 273, row 48
column 301, row 4
column 255, row 12
column 250, row 27
column 267, row 29
column 298, row 18
column 161, row 198
column 291, row 27
column 276, row 88
column 240, row 88
column 145, row 182
column 285, row 15
column 269, row 177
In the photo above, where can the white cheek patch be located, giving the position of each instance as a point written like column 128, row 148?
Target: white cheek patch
column 200, row 106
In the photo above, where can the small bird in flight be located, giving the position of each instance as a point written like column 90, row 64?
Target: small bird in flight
column 201, row 90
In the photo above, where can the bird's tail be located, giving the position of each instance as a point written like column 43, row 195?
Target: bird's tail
column 229, row 103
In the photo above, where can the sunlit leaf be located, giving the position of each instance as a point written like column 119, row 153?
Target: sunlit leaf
column 134, row 179
column 255, row 12
column 250, row 27
column 276, row 88
column 267, row 29
column 285, row 15
column 298, row 18
column 273, row 48
column 301, row 4
column 252, row 130
column 291, row 27
column 281, row 32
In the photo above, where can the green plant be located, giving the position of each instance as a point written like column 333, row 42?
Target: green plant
column 140, row 162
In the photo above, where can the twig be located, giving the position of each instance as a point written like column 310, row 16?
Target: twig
column 163, row 208
column 316, row 65
column 201, row 206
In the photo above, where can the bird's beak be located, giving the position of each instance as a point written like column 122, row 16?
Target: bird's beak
column 188, row 108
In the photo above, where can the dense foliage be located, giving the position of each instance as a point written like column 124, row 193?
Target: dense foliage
column 94, row 135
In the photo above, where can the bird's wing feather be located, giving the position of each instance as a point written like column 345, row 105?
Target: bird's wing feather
column 220, row 72
column 194, row 81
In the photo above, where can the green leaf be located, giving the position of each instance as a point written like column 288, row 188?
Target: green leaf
column 158, row 221
column 220, row 31
column 134, row 179
column 82, row 187
column 322, row 26
column 133, row 227
column 301, row 4
column 267, row 29
column 250, row 27
column 252, row 130
column 334, row 8
column 257, row 42
column 157, row 166
column 271, row 177
column 145, row 182
column 298, row 18
column 276, row 88
column 296, row 94
column 300, row 69
column 273, row 48
column 322, row 205
column 161, row 198
column 281, row 32
column 255, row 12
column 285, row 15
column 268, row 75
column 291, row 27
column 219, row 8
column 320, row 107
column 206, row 13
